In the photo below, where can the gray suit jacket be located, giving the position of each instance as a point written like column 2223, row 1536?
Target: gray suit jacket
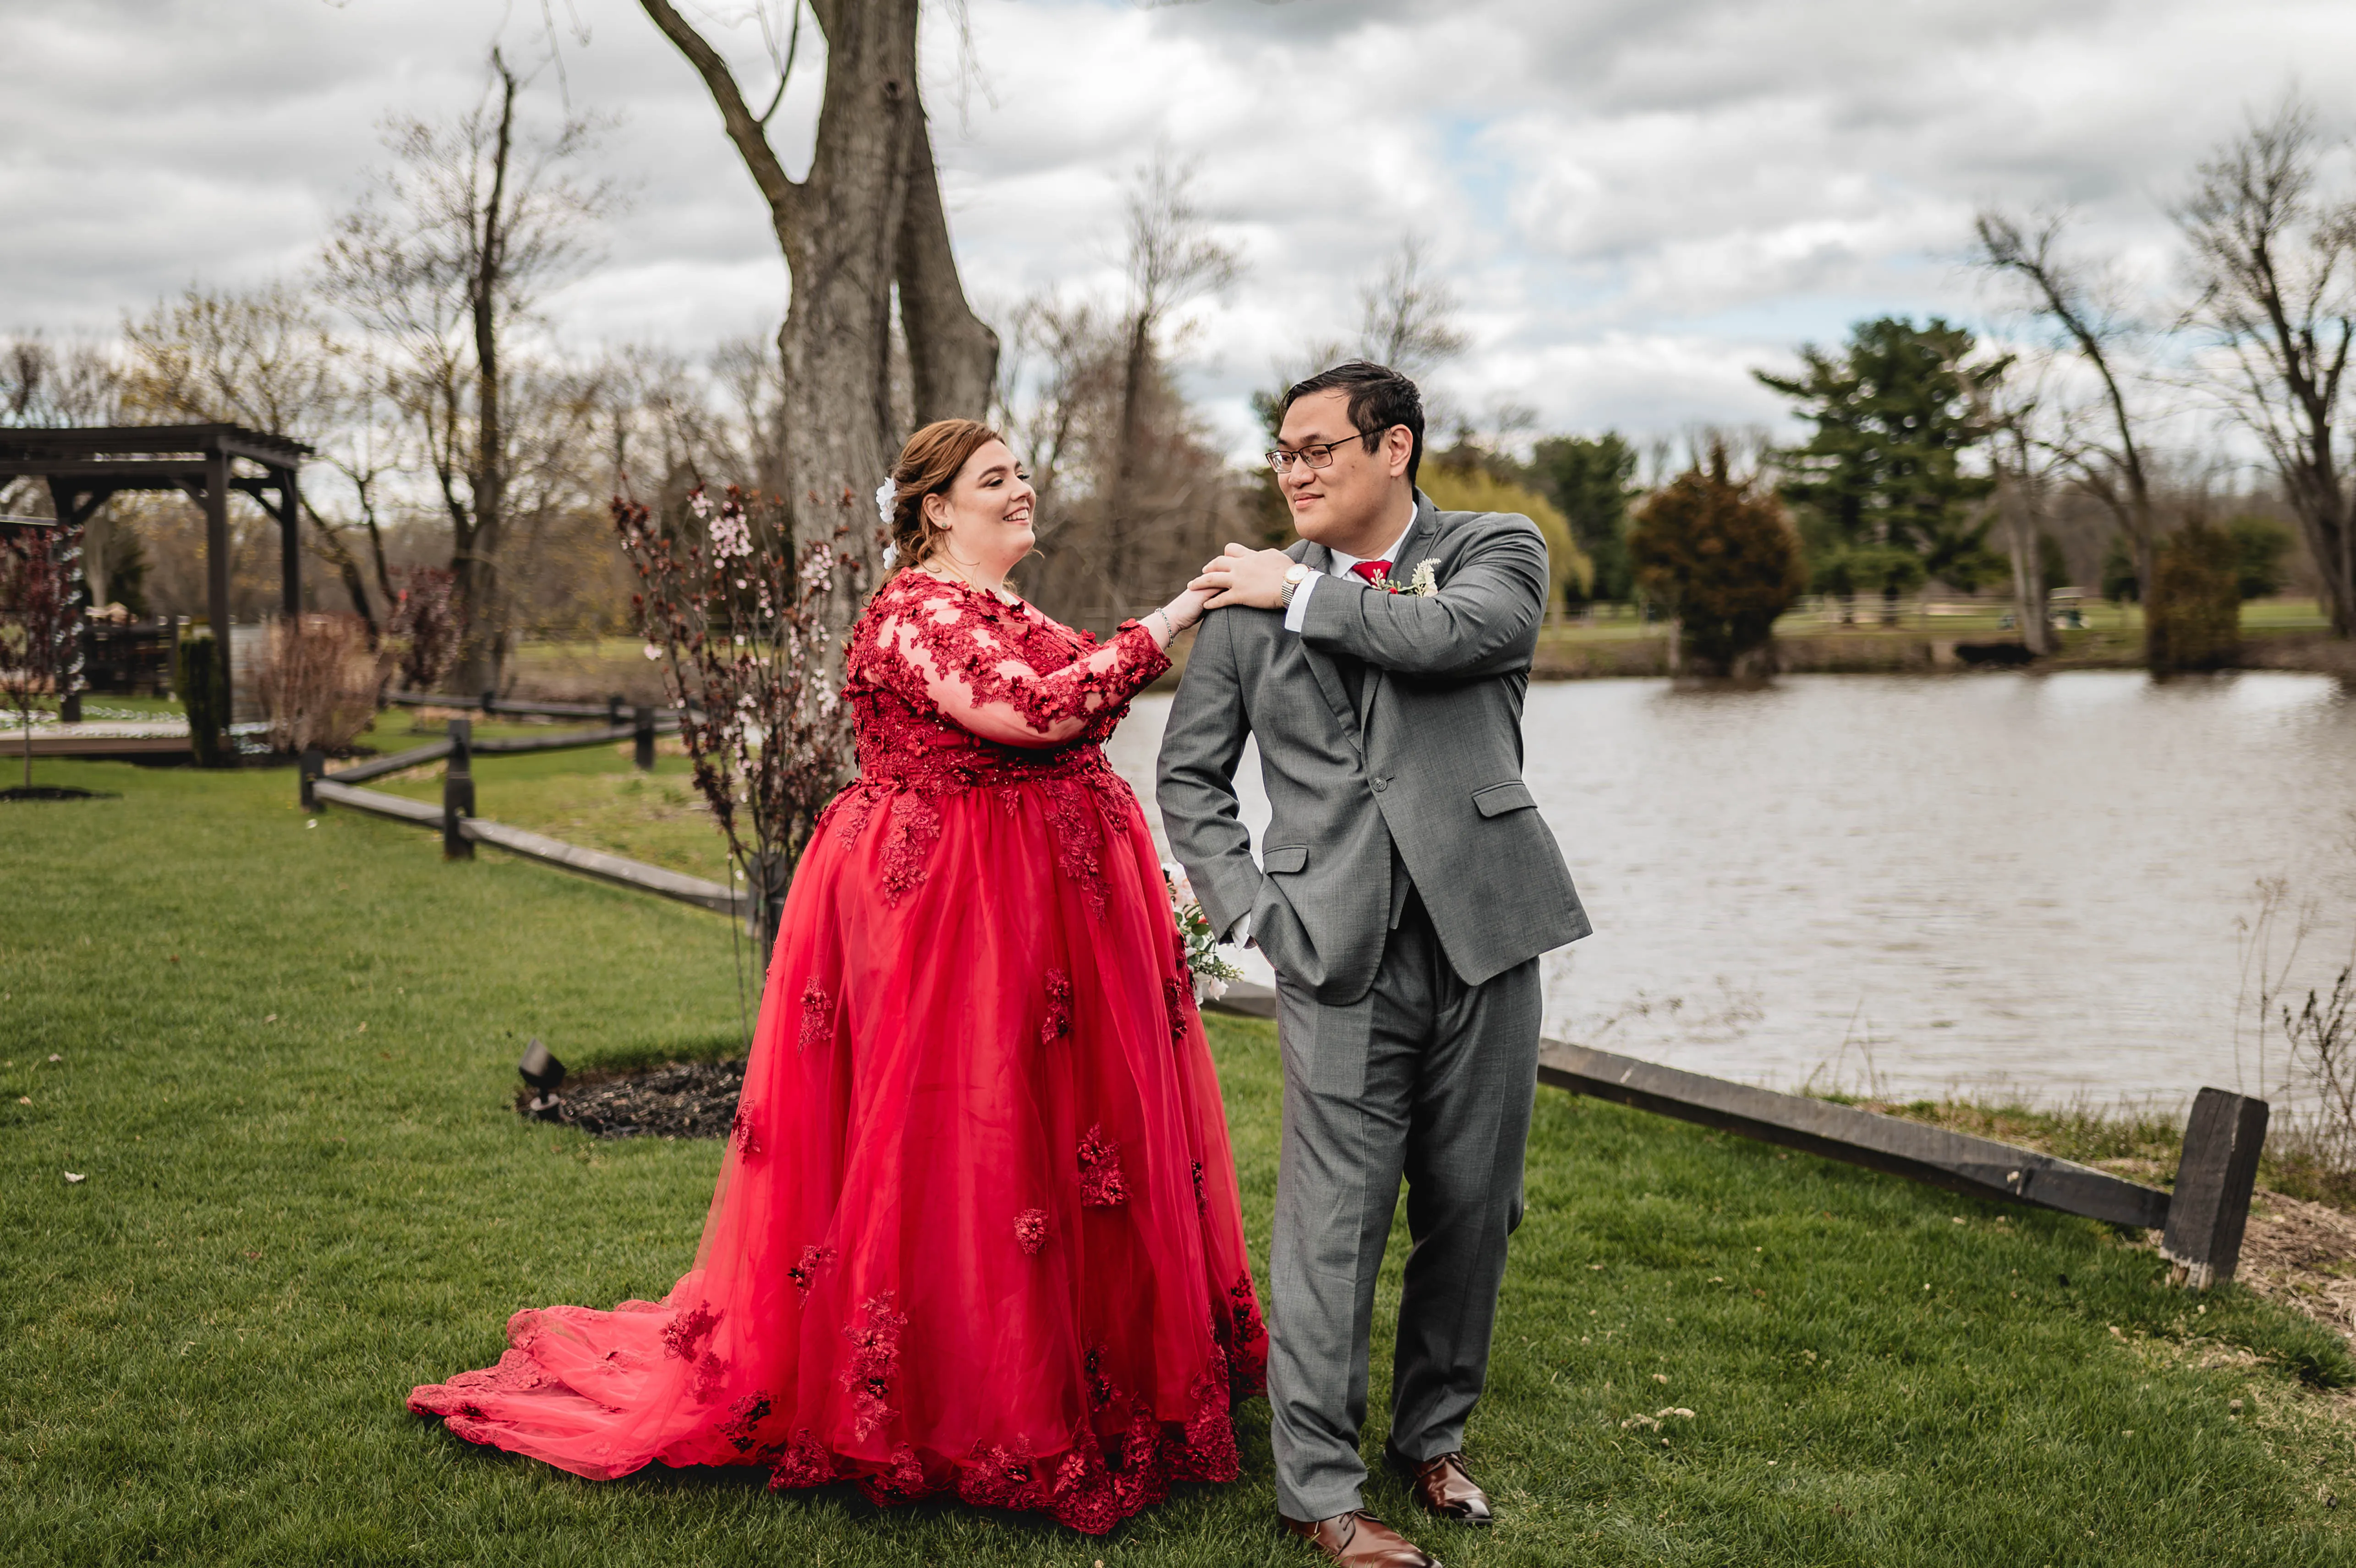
column 1431, row 760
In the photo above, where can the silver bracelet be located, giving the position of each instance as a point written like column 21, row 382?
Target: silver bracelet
column 1169, row 629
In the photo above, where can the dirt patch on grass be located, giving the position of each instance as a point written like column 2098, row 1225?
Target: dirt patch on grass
column 2296, row 1252
column 677, row 1099
column 2303, row 1255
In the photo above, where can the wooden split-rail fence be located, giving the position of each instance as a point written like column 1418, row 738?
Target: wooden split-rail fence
column 2201, row 1222
column 461, row 829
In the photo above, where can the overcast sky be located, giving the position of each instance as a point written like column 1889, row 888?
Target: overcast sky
column 1635, row 200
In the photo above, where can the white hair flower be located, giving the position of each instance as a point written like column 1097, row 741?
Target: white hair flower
column 885, row 493
column 891, row 556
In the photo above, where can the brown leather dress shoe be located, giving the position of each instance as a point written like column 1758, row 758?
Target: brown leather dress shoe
column 1359, row 1539
column 1442, row 1485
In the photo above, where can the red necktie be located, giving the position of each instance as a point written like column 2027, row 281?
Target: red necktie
column 1373, row 571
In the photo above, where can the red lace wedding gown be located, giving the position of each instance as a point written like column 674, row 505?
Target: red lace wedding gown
column 977, row 1228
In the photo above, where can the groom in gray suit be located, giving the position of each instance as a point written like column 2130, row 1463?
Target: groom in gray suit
column 1404, row 893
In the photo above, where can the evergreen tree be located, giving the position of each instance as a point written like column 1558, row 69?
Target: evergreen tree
column 1880, row 490
column 1590, row 482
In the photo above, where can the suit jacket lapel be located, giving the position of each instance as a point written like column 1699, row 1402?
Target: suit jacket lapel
column 1317, row 558
column 1412, row 549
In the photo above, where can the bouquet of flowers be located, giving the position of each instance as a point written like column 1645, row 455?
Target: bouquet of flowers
column 1211, row 972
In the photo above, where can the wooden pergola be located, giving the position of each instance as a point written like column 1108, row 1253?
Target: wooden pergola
column 85, row 465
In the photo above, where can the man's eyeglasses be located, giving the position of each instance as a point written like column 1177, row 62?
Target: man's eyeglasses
column 1319, row 455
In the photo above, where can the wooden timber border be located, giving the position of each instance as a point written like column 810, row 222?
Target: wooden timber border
column 2201, row 1222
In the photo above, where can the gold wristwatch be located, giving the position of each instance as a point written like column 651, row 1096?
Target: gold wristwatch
column 1294, row 576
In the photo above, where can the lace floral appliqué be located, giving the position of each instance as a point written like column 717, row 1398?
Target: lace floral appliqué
column 874, row 1361
column 1101, row 1186
column 804, row 1273
column 1058, row 1022
column 818, row 1017
column 1031, row 1231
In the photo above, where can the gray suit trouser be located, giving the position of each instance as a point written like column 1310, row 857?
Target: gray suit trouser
column 1430, row 1079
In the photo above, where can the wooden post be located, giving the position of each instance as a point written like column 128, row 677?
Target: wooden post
column 490, row 701
column 290, row 545
column 217, row 570
column 644, row 717
column 315, row 763
column 458, row 792
column 2213, row 1179
column 614, row 703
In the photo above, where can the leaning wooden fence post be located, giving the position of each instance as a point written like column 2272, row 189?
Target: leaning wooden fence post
column 458, row 792
column 2213, row 1179
column 614, row 703
column 315, row 763
column 643, row 718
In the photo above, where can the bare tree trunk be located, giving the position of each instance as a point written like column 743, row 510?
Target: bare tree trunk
column 340, row 556
column 866, row 218
column 478, row 560
column 2061, row 294
column 2027, row 570
column 952, row 355
column 1121, row 511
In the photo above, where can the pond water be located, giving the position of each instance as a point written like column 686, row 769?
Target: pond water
column 2032, row 885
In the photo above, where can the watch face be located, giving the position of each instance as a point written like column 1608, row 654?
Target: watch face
column 1296, row 573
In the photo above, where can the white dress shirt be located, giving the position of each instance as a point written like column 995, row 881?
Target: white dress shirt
column 1297, row 613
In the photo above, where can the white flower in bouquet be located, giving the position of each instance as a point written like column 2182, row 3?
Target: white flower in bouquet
column 1211, row 973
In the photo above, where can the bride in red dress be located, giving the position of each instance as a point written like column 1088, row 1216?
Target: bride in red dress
column 977, row 1228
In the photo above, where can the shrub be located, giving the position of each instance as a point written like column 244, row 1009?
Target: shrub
column 1723, row 558
column 202, row 686
column 739, row 625
column 2194, row 619
column 2259, row 546
column 41, row 621
column 425, row 629
column 321, row 683
column 2120, row 585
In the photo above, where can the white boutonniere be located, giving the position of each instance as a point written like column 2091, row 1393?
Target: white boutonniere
column 1422, row 584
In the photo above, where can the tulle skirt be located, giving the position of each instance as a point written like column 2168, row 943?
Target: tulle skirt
column 977, row 1228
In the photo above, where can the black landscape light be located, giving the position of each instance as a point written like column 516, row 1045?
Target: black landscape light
column 544, row 1073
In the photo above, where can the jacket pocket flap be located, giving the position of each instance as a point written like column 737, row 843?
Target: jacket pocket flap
column 1497, row 799
column 1284, row 857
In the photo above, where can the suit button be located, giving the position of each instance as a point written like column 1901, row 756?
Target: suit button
column 1379, row 783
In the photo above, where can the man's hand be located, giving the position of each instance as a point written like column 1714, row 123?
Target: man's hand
column 1250, row 577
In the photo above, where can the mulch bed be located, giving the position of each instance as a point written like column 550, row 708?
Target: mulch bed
column 54, row 792
column 677, row 1099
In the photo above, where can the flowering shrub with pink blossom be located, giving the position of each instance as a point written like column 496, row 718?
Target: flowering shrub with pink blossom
column 739, row 626
column 40, row 620
column 425, row 626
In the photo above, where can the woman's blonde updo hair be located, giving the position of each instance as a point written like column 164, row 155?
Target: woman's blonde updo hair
column 929, row 465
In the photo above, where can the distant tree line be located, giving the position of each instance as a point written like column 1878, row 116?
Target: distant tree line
column 458, row 437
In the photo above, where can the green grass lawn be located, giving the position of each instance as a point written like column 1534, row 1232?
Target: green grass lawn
column 286, row 1056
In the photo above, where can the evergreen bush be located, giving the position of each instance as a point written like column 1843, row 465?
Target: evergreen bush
column 202, row 686
column 1723, row 559
column 2194, row 619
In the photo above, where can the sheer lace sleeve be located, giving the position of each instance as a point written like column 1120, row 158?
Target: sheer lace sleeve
column 969, row 661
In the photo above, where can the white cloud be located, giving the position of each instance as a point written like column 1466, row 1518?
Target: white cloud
column 1637, row 200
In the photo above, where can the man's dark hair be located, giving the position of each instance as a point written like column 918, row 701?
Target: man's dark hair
column 1379, row 398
